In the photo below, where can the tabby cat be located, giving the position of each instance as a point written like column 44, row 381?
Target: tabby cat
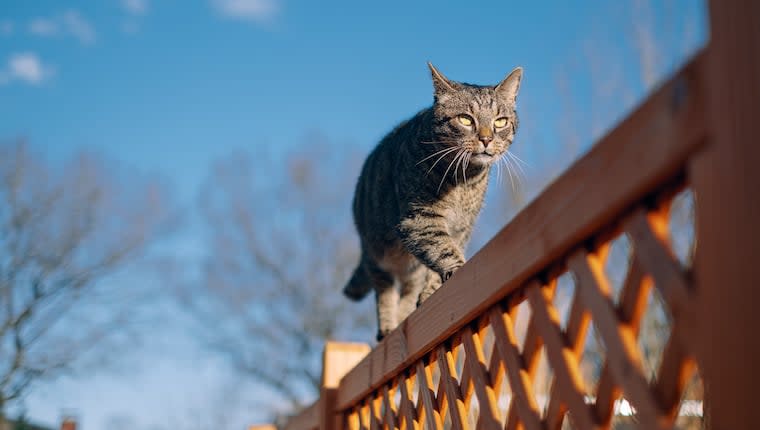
column 421, row 189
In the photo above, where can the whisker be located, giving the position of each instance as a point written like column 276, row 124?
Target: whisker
column 429, row 142
column 443, row 178
column 518, row 159
column 439, row 159
column 436, row 153
column 460, row 157
column 517, row 164
column 465, row 165
column 522, row 176
column 509, row 170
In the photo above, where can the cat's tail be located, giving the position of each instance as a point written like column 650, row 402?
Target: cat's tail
column 359, row 285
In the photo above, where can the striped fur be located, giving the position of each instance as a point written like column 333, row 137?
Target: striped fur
column 421, row 189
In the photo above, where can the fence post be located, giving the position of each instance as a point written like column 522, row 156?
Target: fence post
column 337, row 359
column 726, row 178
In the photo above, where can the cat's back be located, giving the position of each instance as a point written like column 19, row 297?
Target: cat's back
column 376, row 202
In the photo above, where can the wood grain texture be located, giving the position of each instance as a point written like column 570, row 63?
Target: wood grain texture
column 308, row 419
column 562, row 358
column 645, row 150
column 725, row 179
column 451, row 389
column 577, row 325
column 407, row 411
column 631, row 308
column 489, row 417
column 425, row 382
column 675, row 370
column 519, row 378
column 623, row 355
column 653, row 252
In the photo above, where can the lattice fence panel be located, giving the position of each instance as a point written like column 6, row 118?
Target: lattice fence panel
column 600, row 341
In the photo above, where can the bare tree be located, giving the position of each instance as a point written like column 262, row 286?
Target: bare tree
column 63, row 233
column 281, row 246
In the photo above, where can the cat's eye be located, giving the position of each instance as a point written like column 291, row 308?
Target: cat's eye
column 500, row 123
column 465, row 120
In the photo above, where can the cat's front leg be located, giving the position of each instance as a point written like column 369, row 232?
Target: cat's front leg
column 426, row 236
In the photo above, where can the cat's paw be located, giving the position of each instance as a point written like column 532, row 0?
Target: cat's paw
column 446, row 275
column 381, row 334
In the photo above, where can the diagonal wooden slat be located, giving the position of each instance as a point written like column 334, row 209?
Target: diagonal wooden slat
column 563, row 360
column 675, row 370
column 622, row 351
column 531, row 353
column 363, row 411
column 453, row 393
column 406, row 409
column 519, row 378
column 390, row 408
column 375, row 423
column 577, row 326
column 631, row 308
column 649, row 234
column 352, row 420
column 425, row 382
column 489, row 417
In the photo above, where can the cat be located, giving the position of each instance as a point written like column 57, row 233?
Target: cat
column 421, row 189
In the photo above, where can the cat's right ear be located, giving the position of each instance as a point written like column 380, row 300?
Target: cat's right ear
column 440, row 83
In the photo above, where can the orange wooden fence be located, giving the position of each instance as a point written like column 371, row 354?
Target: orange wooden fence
column 505, row 342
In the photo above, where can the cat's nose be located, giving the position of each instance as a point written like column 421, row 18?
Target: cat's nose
column 486, row 139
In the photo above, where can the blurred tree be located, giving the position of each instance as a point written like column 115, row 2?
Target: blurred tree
column 63, row 233
column 281, row 246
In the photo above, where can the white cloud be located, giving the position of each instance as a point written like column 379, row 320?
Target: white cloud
column 79, row 27
column 26, row 67
column 6, row 27
column 44, row 27
column 260, row 11
column 68, row 23
column 135, row 7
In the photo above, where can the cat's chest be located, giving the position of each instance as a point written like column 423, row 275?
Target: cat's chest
column 461, row 208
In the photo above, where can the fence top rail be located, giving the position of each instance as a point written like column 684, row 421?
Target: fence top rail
column 647, row 150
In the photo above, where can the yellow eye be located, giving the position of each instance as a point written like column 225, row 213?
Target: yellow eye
column 500, row 123
column 465, row 120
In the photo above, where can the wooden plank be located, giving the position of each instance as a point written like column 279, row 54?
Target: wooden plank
column 337, row 359
column 519, row 378
column 725, row 180
column 489, row 416
column 631, row 308
column 390, row 409
column 622, row 351
column 307, row 419
column 375, row 422
column 425, row 382
column 453, row 393
column 577, row 326
column 406, row 408
column 530, row 355
column 352, row 420
column 562, row 358
column 675, row 370
column 649, row 237
column 647, row 148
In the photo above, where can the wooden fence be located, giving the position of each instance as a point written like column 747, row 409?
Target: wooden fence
column 459, row 362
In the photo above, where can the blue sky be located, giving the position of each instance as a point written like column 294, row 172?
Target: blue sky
column 169, row 86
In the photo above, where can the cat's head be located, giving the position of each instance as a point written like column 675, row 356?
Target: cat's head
column 479, row 119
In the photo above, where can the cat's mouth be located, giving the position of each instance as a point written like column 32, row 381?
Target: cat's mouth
column 483, row 158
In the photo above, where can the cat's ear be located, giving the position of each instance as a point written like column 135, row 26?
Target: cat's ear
column 509, row 87
column 440, row 83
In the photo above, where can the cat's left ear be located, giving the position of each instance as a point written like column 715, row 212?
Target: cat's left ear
column 509, row 87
